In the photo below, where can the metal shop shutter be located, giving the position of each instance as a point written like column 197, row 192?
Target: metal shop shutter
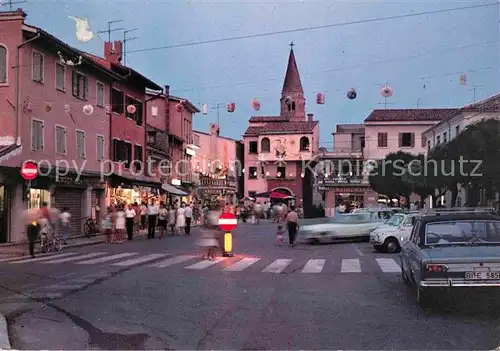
column 72, row 199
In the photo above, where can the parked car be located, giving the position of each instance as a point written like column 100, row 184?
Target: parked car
column 386, row 238
column 452, row 250
column 346, row 226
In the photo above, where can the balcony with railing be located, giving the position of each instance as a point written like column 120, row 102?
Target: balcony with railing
column 217, row 182
column 343, row 152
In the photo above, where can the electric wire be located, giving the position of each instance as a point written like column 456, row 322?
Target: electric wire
column 295, row 30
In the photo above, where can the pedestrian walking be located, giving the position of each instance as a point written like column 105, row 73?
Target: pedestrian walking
column 120, row 224
column 144, row 215
column 162, row 219
column 172, row 214
column 107, row 225
column 211, row 233
column 180, row 221
column 279, row 235
column 188, row 215
column 292, row 222
column 130, row 218
column 152, row 217
column 65, row 224
column 32, row 217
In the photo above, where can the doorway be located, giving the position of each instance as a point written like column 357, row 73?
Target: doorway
column 4, row 213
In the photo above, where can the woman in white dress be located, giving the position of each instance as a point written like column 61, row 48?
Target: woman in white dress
column 120, row 224
column 180, row 223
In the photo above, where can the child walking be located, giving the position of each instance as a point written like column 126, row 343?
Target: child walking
column 279, row 235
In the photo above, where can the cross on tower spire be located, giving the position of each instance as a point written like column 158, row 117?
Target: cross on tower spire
column 292, row 45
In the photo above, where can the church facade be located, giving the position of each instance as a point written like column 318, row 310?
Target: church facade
column 280, row 149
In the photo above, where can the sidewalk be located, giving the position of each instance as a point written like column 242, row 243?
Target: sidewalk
column 22, row 249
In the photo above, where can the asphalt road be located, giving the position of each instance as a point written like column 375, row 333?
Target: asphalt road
column 155, row 295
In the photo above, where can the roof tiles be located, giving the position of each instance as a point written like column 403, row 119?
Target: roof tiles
column 416, row 115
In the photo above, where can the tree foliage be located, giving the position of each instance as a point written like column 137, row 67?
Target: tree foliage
column 471, row 159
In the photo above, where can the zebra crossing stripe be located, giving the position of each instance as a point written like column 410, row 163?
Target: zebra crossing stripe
column 206, row 263
column 77, row 258
column 139, row 260
column 108, row 258
column 242, row 264
column 277, row 266
column 171, row 261
column 314, row 266
column 44, row 258
column 350, row 266
column 388, row 265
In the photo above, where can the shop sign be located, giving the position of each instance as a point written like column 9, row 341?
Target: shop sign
column 74, row 180
column 351, row 190
column 340, row 181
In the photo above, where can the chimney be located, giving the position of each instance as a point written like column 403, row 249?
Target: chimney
column 113, row 51
column 167, row 109
column 310, row 117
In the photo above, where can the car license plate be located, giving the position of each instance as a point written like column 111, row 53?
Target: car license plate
column 482, row 275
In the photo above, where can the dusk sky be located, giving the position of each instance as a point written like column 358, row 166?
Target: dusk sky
column 421, row 57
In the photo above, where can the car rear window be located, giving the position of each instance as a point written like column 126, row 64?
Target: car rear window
column 462, row 232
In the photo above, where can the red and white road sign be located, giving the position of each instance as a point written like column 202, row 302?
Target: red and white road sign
column 228, row 222
column 29, row 170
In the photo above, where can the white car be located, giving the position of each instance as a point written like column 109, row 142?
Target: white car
column 347, row 226
column 386, row 238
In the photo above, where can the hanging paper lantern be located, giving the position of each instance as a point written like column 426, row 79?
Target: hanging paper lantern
column 67, row 108
column 288, row 100
column 463, row 79
column 204, row 109
column 351, row 94
column 386, row 91
column 231, row 107
column 131, row 109
column 179, row 107
column 88, row 109
column 256, row 104
column 320, row 98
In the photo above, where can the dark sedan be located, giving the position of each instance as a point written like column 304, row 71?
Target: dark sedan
column 451, row 250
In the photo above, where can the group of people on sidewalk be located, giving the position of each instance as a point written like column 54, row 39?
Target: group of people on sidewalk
column 132, row 218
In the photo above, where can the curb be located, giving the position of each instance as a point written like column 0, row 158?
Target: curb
column 4, row 334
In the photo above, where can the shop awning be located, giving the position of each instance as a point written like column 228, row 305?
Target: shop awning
column 279, row 195
column 173, row 190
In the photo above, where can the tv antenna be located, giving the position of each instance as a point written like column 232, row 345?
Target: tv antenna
column 109, row 30
column 474, row 88
column 10, row 3
column 125, row 40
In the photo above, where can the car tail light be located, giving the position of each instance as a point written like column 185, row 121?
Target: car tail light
column 436, row 268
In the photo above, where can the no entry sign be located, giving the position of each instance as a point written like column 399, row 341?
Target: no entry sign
column 29, row 171
column 228, row 222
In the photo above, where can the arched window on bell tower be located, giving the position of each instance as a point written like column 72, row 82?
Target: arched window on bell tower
column 291, row 106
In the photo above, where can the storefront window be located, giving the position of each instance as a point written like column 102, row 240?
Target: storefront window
column 38, row 197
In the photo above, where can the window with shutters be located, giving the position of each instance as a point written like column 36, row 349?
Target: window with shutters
column 60, row 140
column 60, row 77
column 37, row 67
column 80, row 85
column 445, row 137
column 457, row 130
column 3, row 64
column 100, row 148
column 424, row 141
column 252, row 147
column 128, row 154
column 137, row 115
column 406, row 139
column 138, row 157
column 80, row 144
column 37, row 141
column 438, row 140
column 382, row 139
column 100, row 94
column 117, row 100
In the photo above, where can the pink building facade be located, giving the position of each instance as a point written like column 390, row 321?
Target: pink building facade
column 393, row 130
column 279, row 149
column 43, row 119
column 217, row 166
